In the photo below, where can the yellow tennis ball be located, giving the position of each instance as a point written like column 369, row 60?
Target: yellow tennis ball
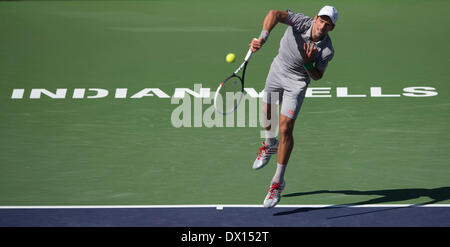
column 230, row 57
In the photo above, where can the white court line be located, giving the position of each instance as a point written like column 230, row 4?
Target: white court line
column 222, row 206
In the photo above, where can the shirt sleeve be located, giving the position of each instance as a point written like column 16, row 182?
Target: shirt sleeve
column 297, row 20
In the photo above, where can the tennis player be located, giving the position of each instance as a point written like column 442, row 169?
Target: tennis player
column 304, row 53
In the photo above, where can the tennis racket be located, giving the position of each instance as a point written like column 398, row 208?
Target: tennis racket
column 230, row 92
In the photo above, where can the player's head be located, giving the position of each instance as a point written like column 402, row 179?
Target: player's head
column 330, row 12
column 325, row 21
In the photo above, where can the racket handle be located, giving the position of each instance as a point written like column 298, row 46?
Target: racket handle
column 249, row 53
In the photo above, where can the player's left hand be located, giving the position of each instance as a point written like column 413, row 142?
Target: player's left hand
column 308, row 52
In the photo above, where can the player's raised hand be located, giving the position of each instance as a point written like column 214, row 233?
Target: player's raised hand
column 256, row 44
column 308, row 52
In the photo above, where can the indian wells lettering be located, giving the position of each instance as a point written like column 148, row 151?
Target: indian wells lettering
column 200, row 92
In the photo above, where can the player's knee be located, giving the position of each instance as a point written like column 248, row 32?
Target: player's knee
column 286, row 130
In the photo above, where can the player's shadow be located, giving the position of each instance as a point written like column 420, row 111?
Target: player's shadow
column 385, row 196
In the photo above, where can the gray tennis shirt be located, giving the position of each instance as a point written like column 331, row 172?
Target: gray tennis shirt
column 289, row 61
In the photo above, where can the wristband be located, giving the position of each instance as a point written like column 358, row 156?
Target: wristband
column 264, row 35
column 308, row 66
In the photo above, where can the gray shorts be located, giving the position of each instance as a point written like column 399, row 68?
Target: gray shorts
column 290, row 93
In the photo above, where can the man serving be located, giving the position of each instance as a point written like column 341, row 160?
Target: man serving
column 305, row 51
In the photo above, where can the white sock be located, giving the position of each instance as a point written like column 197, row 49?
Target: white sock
column 279, row 174
column 269, row 140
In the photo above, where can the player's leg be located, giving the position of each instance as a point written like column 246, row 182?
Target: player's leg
column 284, row 151
column 284, row 147
column 270, row 122
column 267, row 118
column 292, row 101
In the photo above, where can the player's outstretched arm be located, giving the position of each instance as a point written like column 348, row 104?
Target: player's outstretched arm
column 271, row 20
column 273, row 17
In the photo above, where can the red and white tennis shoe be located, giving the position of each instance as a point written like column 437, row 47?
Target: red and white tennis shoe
column 274, row 195
column 264, row 153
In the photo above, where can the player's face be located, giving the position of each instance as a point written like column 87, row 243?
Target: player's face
column 322, row 25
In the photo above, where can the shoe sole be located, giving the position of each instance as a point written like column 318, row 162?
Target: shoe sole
column 259, row 167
